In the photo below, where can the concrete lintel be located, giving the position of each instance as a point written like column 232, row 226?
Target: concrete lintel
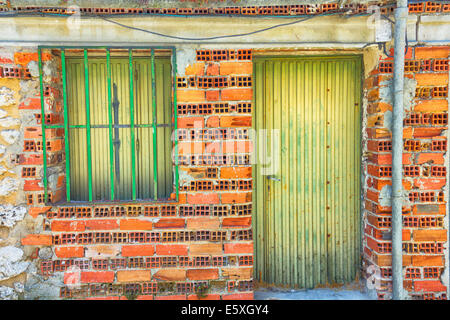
column 331, row 29
column 434, row 28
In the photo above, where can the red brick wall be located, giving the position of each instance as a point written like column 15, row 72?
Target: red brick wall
column 32, row 133
column 160, row 250
column 425, row 174
column 167, row 250
column 200, row 7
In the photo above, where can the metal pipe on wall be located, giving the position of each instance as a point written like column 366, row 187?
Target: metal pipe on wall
column 401, row 14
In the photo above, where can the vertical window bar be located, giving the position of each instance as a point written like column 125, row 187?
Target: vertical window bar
column 88, row 122
column 44, row 141
column 155, row 149
column 133, row 155
column 110, row 118
column 175, row 112
column 66, row 124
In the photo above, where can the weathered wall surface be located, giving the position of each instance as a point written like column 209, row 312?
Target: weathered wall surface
column 199, row 247
column 355, row 30
column 202, row 246
column 16, row 85
column 425, row 183
column 129, row 250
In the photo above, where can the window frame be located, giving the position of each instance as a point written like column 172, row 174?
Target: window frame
column 66, row 126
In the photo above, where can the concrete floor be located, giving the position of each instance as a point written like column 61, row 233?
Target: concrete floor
column 351, row 292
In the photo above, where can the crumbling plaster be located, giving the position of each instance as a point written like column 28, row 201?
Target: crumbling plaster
column 17, row 270
column 14, row 223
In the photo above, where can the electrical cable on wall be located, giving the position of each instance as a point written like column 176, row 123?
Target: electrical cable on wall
column 210, row 38
column 187, row 38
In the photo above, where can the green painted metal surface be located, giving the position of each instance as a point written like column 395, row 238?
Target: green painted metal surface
column 124, row 120
column 132, row 135
column 66, row 124
column 110, row 124
column 43, row 126
column 175, row 115
column 155, row 131
column 88, row 122
column 307, row 209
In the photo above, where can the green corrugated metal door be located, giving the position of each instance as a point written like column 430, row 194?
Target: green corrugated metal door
column 143, row 118
column 307, row 204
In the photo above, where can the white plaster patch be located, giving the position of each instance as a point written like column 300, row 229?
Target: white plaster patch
column 185, row 56
column 45, row 253
column 49, row 71
column 3, row 170
column 6, row 96
column 185, row 178
column 7, row 53
column 29, row 89
column 33, row 67
column 10, row 136
column 9, row 122
column 10, row 214
column 386, row 94
column 409, row 93
column 383, row 31
column 36, row 288
column 7, row 293
column 52, row 177
column 385, row 196
column 10, row 264
column 388, row 119
column 8, row 185
column 19, row 287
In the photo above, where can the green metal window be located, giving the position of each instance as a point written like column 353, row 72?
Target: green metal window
column 119, row 116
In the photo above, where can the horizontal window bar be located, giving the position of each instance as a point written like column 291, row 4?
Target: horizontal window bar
column 100, row 126
column 105, row 126
column 106, row 47
column 139, row 201
column 119, row 53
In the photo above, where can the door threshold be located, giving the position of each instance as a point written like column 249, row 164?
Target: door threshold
column 345, row 292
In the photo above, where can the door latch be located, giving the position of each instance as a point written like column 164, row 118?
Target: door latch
column 273, row 178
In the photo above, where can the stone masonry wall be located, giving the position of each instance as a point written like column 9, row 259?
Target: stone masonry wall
column 19, row 101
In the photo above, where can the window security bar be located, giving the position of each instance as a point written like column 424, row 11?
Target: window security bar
column 112, row 125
